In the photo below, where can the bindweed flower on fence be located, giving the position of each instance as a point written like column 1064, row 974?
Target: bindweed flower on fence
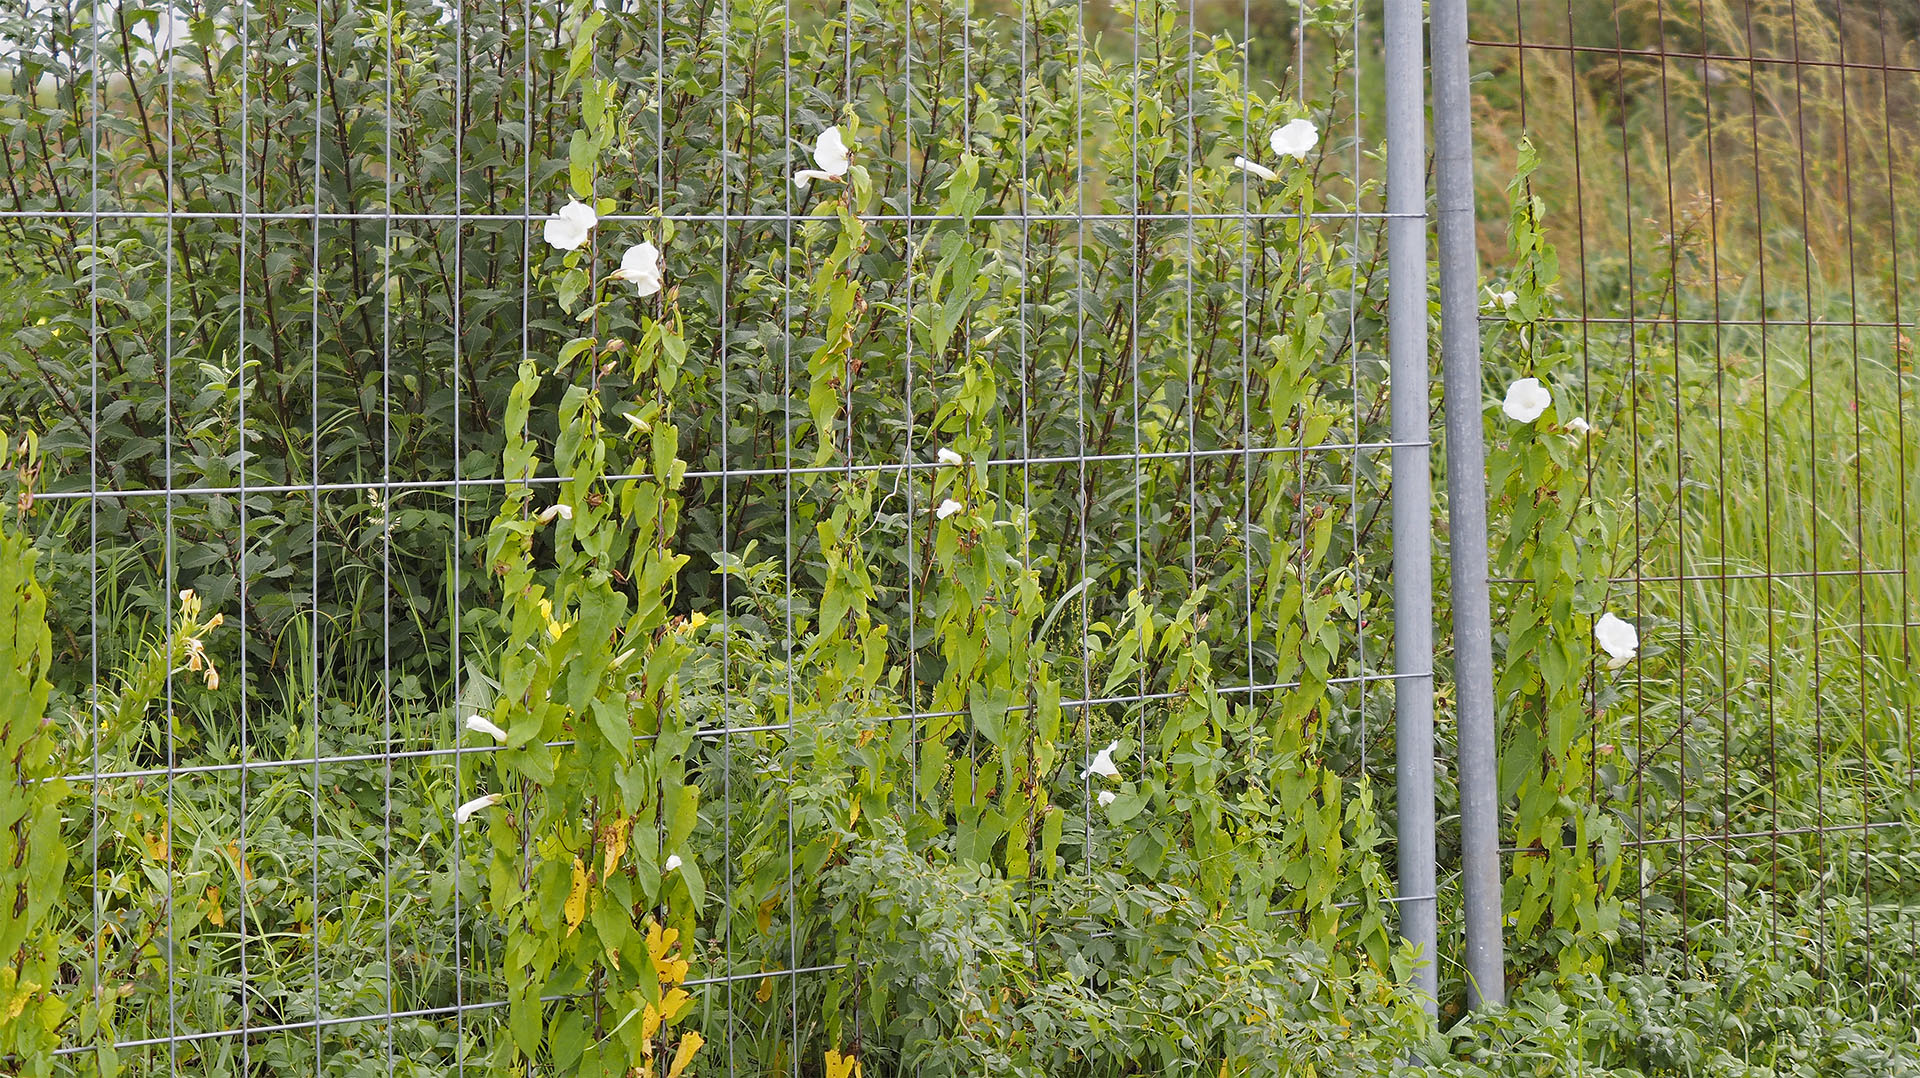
column 948, row 508
column 644, row 267
column 949, row 457
column 1295, row 139
column 479, row 804
column 1255, row 169
column 1618, row 638
column 1527, row 400
column 1102, row 764
column 831, row 159
column 568, row 229
column 480, row 724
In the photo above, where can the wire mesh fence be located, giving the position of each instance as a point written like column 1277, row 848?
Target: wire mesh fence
column 732, row 536
column 1037, row 424
column 1729, row 189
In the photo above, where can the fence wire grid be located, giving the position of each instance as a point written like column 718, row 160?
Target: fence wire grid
column 1734, row 208
column 278, row 264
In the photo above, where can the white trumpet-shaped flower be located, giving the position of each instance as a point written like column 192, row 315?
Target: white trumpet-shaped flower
column 557, row 509
column 1526, row 400
column 644, row 267
column 465, row 812
column 1503, row 300
column 1579, row 425
column 949, row 457
column 480, row 724
column 1107, row 797
column 568, row 229
column 831, row 159
column 1619, row 639
column 1294, row 139
column 1102, row 764
column 673, row 862
column 1255, row 168
column 948, row 508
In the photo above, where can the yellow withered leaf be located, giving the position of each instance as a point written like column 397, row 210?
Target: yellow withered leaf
column 660, row 940
column 689, row 1044
column 233, row 851
column 22, row 995
column 214, row 913
column 660, row 943
column 156, row 847
column 650, row 1020
column 576, row 907
column 766, row 990
column 616, row 847
column 839, row 1066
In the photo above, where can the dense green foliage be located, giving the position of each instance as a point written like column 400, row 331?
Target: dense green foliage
column 780, row 769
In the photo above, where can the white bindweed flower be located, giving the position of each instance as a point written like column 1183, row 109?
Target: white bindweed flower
column 673, row 862
column 948, row 508
column 645, row 267
column 1579, row 425
column 479, row 724
column 1107, row 797
column 1526, row 400
column 1255, row 168
column 568, row 229
column 1503, row 300
column 1102, row 764
column 557, row 509
column 831, row 159
column 1295, row 139
column 465, row 812
column 948, row 456
column 1619, row 639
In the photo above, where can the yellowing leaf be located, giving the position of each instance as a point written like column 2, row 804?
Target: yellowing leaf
column 675, row 1004
column 689, row 1044
column 214, row 912
column 616, row 847
column 660, row 940
column 839, row 1066
column 156, row 847
column 233, row 851
column 22, row 995
column 650, row 1020
column 576, row 907
column 766, row 990
column 660, row 944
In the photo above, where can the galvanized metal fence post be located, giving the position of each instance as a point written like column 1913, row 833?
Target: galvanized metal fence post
column 1412, row 484
column 1479, row 775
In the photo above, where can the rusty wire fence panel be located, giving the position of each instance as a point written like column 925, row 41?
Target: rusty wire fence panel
column 1732, row 190
column 275, row 264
